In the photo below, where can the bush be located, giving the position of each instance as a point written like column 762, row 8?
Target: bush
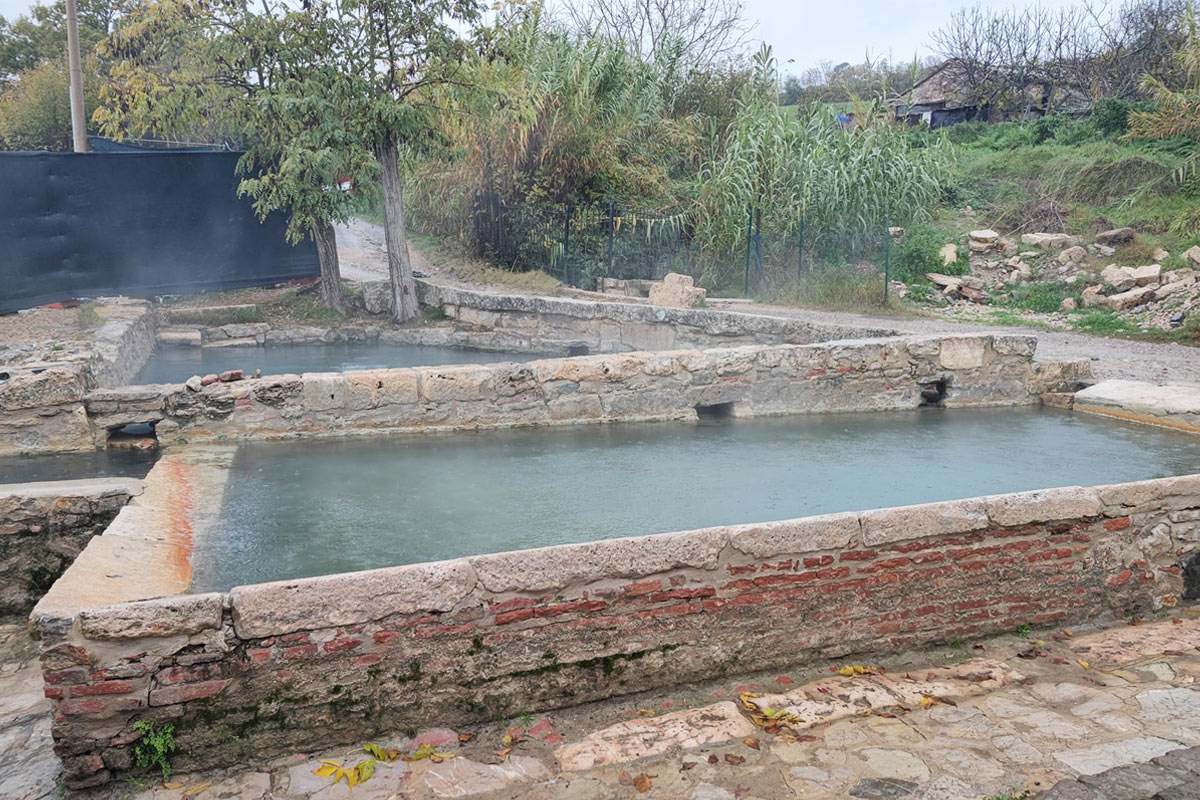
column 1110, row 116
column 917, row 253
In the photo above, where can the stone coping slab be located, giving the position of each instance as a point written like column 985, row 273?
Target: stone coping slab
column 146, row 553
column 1172, row 406
column 72, row 488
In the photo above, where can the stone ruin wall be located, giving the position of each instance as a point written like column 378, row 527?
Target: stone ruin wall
column 272, row 669
column 857, row 375
column 44, row 526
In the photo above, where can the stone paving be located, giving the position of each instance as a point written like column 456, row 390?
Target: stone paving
column 1068, row 713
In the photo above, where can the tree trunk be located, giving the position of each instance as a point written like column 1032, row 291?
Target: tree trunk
column 331, row 273
column 404, row 289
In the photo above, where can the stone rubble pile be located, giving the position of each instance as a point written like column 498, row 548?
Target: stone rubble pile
column 1153, row 295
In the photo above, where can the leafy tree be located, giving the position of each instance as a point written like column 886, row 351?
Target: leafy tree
column 379, row 62
column 41, row 34
column 35, row 111
column 182, row 66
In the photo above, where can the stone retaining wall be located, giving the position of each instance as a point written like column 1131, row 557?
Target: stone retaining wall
column 272, row 669
column 44, row 526
column 533, row 324
column 41, row 403
column 858, row 375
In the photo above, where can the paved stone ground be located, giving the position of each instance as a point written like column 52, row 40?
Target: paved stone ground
column 985, row 719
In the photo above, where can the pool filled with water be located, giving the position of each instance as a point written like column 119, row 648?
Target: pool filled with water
column 296, row 509
column 75, row 466
column 177, row 364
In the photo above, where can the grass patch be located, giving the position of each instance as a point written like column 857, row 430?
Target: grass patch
column 835, row 291
column 304, row 308
column 87, row 317
column 216, row 315
column 1042, row 297
column 1102, row 322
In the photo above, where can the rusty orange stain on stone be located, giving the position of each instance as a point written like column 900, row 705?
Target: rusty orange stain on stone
column 179, row 519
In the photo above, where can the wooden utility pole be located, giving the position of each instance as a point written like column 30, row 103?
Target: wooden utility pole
column 78, row 126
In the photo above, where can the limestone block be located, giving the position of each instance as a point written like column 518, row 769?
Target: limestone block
column 899, row 524
column 382, row 387
column 1047, row 505
column 1056, row 240
column 825, row 532
column 191, row 337
column 556, row 567
column 1116, row 236
column 962, row 352
column 323, row 391
column 1130, row 299
column 1147, row 275
column 50, row 387
column 676, row 291
column 328, row 601
column 455, row 383
column 164, row 616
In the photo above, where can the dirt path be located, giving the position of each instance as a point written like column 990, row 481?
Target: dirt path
column 1111, row 358
column 362, row 254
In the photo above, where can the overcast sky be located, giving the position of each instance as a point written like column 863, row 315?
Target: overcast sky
column 807, row 33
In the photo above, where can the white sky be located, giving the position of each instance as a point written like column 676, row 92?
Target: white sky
column 811, row 31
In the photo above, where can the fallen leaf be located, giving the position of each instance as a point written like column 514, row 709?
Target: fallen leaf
column 1177, row 620
column 1136, row 622
column 642, row 783
column 1083, row 663
column 751, row 742
column 504, row 753
column 647, row 712
column 625, row 778
column 731, row 758
column 463, row 738
column 1068, row 632
column 808, row 737
column 1059, row 661
column 389, row 755
column 326, row 769
column 685, row 766
column 713, row 759
column 173, row 785
column 365, row 769
column 979, row 646
column 196, row 788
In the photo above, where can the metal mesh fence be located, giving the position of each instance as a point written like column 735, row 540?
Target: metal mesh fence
column 581, row 244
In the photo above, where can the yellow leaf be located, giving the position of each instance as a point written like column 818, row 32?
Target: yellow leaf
column 352, row 777
column 196, row 789
column 366, row 769
column 1083, row 663
column 325, row 770
column 424, row 750
column 173, row 785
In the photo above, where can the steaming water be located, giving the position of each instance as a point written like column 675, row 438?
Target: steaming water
column 322, row 506
column 72, row 466
column 177, row 364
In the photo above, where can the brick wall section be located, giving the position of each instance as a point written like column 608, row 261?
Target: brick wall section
column 286, row 667
column 878, row 374
column 43, row 527
column 533, row 324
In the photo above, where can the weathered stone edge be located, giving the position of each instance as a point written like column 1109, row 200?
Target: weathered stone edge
column 350, row 598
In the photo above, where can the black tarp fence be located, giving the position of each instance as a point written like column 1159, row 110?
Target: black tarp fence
column 135, row 223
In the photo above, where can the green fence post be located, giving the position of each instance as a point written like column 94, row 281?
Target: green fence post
column 800, row 252
column 749, row 243
column 567, row 244
column 887, row 256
